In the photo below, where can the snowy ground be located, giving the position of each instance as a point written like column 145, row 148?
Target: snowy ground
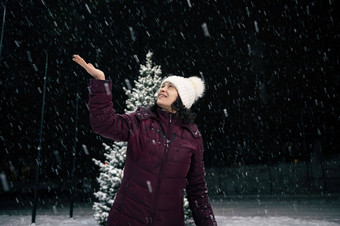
column 267, row 211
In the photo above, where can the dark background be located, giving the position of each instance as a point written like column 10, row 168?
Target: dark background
column 270, row 69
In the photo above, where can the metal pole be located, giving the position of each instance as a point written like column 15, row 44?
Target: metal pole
column 74, row 155
column 2, row 28
column 308, row 173
column 39, row 147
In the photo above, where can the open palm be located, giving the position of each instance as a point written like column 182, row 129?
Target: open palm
column 96, row 73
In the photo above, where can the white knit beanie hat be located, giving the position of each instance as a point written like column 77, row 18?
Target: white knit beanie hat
column 189, row 89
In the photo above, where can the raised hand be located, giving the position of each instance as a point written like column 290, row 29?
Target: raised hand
column 96, row 73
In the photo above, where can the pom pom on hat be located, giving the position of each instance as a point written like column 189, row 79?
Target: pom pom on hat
column 189, row 89
column 198, row 86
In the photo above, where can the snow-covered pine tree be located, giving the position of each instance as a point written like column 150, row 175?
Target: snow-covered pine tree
column 149, row 81
column 111, row 171
column 111, row 174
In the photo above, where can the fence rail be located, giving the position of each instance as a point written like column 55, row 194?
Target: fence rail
column 283, row 178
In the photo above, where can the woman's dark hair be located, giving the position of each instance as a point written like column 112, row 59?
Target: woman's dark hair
column 182, row 112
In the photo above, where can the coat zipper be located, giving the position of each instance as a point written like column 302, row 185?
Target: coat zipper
column 161, row 168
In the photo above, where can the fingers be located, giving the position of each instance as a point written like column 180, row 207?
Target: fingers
column 96, row 73
column 79, row 60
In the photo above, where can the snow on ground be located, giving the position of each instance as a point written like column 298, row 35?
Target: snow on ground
column 270, row 221
column 51, row 220
column 304, row 211
column 47, row 220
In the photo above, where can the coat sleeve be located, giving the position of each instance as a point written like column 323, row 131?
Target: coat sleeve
column 103, row 118
column 197, row 190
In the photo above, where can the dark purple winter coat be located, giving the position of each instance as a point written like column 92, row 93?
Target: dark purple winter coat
column 164, row 160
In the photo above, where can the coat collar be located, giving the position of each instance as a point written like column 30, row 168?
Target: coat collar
column 144, row 113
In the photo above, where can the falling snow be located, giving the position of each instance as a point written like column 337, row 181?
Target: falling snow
column 268, row 117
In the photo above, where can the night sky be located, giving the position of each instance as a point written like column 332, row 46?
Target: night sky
column 269, row 67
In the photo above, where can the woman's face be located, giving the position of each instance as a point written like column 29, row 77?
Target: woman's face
column 166, row 96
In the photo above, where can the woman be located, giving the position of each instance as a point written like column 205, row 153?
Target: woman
column 164, row 155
